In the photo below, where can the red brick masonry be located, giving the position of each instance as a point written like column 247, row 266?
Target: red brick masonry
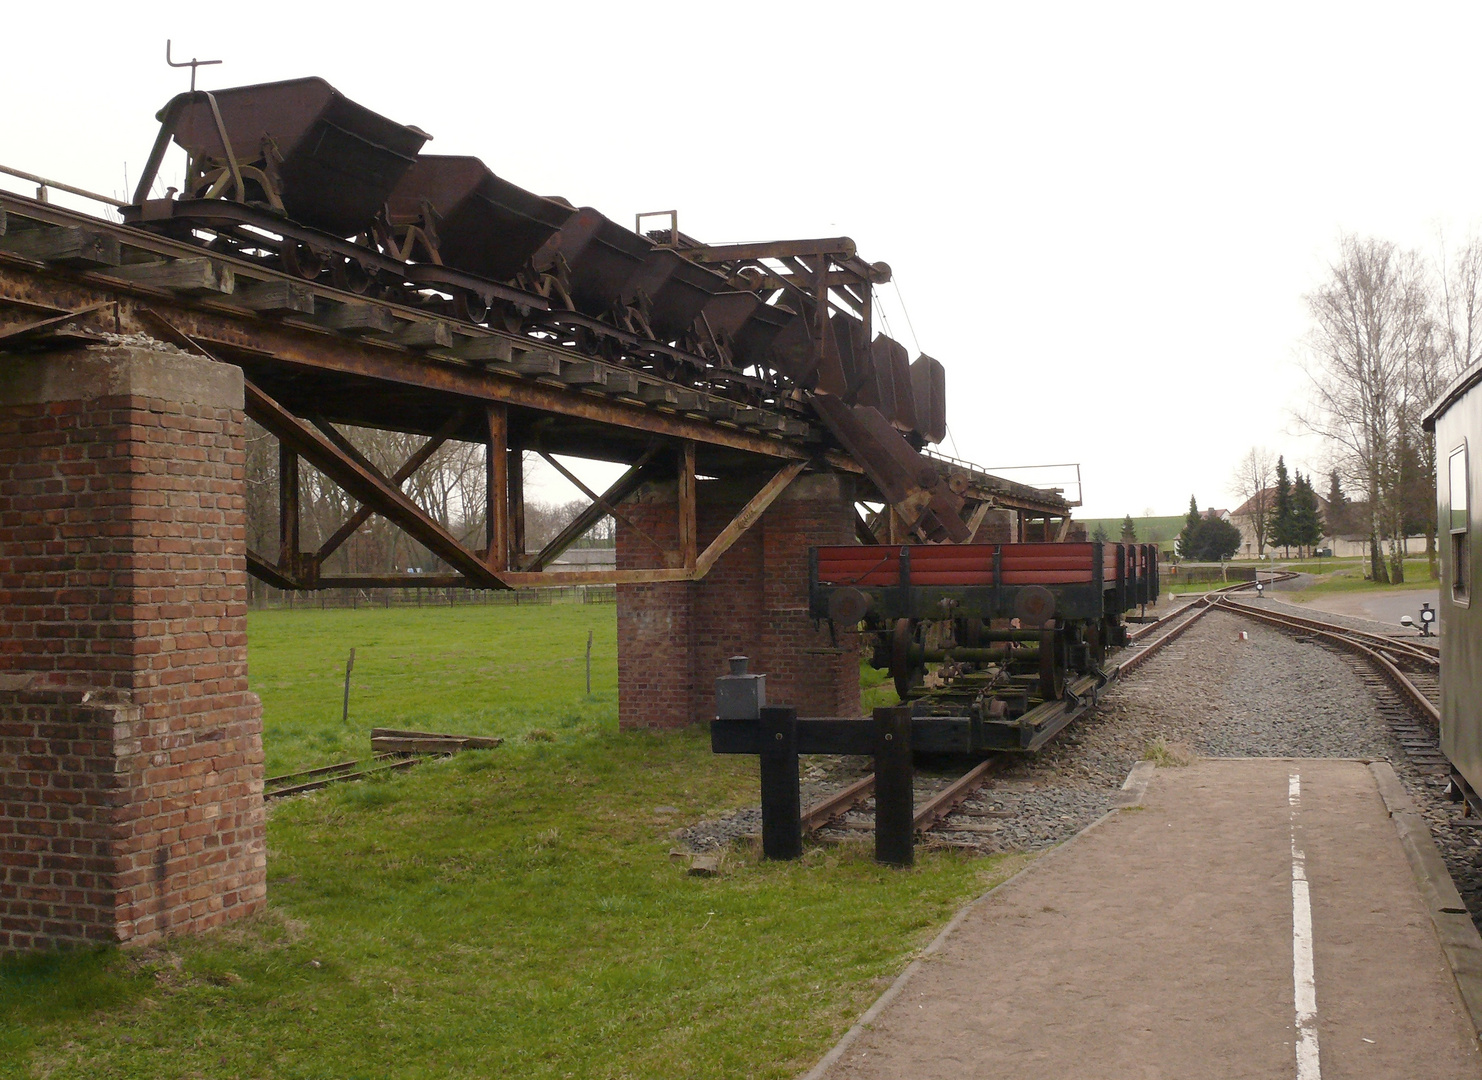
column 674, row 638
column 130, row 748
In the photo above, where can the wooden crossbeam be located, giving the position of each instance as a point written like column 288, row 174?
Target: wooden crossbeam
column 343, row 464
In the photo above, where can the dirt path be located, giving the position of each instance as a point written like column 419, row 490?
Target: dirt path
column 1162, row 942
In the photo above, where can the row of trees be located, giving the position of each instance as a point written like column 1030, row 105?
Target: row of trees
column 1390, row 328
column 1295, row 520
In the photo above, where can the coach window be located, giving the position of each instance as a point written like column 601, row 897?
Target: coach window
column 1459, row 526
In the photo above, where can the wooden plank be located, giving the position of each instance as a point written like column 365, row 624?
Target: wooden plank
column 194, row 277
column 624, row 383
column 486, row 350
column 658, row 393
column 398, row 745
column 359, row 318
column 472, row 742
column 427, row 334
column 69, row 246
column 536, row 362
column 277, row 298
column 748, row 516
column 582, row 373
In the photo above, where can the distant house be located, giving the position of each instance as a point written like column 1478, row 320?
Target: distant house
column 1342, row 543
column 1243, row 518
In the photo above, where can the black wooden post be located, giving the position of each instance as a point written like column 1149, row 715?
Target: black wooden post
column 894, row 809
column 782, row 826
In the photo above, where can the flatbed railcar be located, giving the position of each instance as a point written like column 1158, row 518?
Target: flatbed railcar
column 982, row 635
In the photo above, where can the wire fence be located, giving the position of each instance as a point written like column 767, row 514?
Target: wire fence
column 263, row 597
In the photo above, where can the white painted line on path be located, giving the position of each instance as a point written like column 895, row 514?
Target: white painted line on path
column 1303, row 981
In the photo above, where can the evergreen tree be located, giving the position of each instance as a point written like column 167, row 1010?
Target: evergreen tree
column 1185, row 547
column 1307, row 523
column 1337, row 505
column 1279, row 525
column 1215, row 540
column 1129, row 530
column 1100, row 534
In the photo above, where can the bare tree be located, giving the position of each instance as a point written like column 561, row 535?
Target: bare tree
column 1252, row 483
column 1372, row 329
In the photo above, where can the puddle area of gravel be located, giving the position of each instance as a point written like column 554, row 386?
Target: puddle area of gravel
column 1208, row 694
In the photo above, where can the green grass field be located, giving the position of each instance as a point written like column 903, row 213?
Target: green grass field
column 474, row 670
column 512, row 912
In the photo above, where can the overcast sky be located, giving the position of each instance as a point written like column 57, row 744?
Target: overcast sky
column 1102, row 218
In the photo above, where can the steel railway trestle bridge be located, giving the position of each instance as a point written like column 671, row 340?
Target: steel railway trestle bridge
column 314, row 357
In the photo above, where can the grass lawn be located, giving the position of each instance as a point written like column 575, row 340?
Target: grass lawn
column 511, row 912
column 472, row 669
column 1349, row 578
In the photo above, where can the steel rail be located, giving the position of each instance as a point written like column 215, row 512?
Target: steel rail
column 1414, row 650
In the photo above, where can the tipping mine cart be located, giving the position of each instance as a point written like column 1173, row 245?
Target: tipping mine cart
column 987, row 637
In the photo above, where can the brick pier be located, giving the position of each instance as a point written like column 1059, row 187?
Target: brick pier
column 674, row 638
column 130, row 747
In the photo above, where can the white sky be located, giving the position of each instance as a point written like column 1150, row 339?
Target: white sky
column 1102, row 218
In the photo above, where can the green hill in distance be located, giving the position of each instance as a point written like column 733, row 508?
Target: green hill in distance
column 1150, row 530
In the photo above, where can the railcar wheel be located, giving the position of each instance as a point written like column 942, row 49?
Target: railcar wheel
column 301, row 260
column 902, row 671
column 1051, row 664
column 1096, row 644
column 352, row 275
column 470, row 307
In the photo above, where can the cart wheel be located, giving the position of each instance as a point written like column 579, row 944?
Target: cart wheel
column 1096, row 643
column 301, row 260
column 1051, row 664
column 470, row 306
column 901, row 669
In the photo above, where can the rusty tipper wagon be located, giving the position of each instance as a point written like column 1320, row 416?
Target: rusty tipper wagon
column 984, row 635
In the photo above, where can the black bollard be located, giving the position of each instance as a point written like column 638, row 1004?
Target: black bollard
column 894, row 809
column 782, row 826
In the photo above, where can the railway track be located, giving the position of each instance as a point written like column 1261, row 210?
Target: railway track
column 1403, row 674
column 941, row 811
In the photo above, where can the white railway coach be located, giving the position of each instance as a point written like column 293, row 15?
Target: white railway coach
column 1456, row 419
